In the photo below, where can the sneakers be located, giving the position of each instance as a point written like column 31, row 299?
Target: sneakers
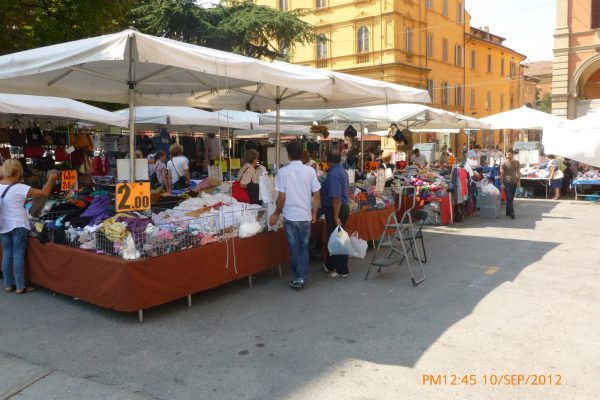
column 296, row 284
column 325, row 269
column 335, row 275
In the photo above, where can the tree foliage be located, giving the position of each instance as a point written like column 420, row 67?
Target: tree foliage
column 239, row 27
column 27, row 24
column 544, row 103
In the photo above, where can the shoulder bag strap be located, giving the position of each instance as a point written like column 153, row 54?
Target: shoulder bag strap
column 174, row 167
column 7, row 189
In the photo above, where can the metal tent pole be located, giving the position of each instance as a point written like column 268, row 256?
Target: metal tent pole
column 131, row 132
column 277, row 129
column 362, row 149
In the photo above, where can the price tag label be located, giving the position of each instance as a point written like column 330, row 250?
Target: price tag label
column 235, row 163
column 133, row 196
column 68, row 180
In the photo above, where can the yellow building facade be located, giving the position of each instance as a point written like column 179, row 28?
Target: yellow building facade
column 420, row 43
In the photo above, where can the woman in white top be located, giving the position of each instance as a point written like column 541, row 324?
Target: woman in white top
column 249, row 175
column 178, row 166
column 14, row 223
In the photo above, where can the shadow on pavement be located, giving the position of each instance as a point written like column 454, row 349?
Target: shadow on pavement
column 269, row 341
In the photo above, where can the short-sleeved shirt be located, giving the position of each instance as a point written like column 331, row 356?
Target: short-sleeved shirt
column 177, row 166
column 248, row 174
column 298, row 182
column 511, row 171
column 420, row 160
column 12, row 210
column 336, row 185
column 161, row 171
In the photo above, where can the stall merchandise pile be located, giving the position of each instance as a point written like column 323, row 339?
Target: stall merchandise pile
column 88, row 221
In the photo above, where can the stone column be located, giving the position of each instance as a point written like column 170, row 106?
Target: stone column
column 560, row 68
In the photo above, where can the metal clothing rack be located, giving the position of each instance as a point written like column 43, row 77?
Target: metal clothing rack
column 392, row 247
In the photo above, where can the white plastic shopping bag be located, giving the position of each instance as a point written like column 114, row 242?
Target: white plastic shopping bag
column 265, row 188
column 339, row 242
column 249, row 225
column 359, row 246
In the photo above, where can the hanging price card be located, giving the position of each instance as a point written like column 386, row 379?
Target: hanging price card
column 235, row 163
column 68, row 180
column 133, row 196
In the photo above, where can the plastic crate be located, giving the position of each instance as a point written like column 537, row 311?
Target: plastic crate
column 489, row 212
column 488, row 201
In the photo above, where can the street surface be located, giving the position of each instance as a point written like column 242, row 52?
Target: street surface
column 509, row 310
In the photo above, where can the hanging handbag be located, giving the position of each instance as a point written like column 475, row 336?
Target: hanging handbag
column 350, row 132
column 239, row 193
column 558, row 174
column 16, row 137
column 4, row 135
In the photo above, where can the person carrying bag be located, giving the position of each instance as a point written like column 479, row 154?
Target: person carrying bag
column 246, row 188
column 178, row 168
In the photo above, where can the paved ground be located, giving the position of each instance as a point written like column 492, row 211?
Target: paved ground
column 502, row 297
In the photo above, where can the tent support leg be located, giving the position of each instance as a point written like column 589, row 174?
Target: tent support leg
column 131, row 132
column 280, row 273
column 189, row 299
column 141, row 315
column 277, row 129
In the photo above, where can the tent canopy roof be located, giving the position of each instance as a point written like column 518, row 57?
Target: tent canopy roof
column 55, row 109
column 168, row 72
column 521, row 118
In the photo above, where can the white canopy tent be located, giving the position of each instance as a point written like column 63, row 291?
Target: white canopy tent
column 188, row 117
column 138, row 69
column 55, row 110
column 577, row 139
column 382, row 115
column 521, row 118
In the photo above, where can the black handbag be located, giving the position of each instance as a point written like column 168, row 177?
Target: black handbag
column 16, row 137
column 350, row 132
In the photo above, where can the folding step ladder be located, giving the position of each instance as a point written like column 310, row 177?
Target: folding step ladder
column 392, row 247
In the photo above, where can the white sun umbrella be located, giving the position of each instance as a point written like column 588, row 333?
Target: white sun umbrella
column 185, row 117
column 577, row 139
column 55, row 109
column 521, row 118
column 138, row 69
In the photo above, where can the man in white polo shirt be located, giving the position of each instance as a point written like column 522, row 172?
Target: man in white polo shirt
column 298, row 188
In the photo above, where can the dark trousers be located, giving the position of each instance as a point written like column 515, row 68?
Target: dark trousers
column 338, row 264
column 510, row 189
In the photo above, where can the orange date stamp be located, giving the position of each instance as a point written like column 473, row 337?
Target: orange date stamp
column 495, row 379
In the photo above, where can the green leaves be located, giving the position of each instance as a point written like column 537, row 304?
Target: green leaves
column 243, row 28
column 28, row 24
column 239, row 27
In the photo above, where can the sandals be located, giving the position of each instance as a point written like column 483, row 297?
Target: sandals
column 26, row 289
column 9, row 289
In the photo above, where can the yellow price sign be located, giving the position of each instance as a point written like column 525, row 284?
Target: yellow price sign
column 133, row 196
column 235, row 163
column 68, row 180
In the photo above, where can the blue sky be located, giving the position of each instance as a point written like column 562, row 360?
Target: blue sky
column 527, row 25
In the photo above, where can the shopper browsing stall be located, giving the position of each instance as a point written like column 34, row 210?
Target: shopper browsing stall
column 334, row 200
column 510, row 176
column 418, row 159
column 14, row 223
column 248, row 178
column 555, row 175
column 178, row 166
column 298, row 187
column 160, row 176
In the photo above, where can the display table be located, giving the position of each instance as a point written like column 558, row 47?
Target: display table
column 128, row 286
column 578, row 182
column 545, row 182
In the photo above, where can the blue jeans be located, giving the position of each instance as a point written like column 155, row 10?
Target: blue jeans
column 14, row 244
column 298, row 237
column 510, row 189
